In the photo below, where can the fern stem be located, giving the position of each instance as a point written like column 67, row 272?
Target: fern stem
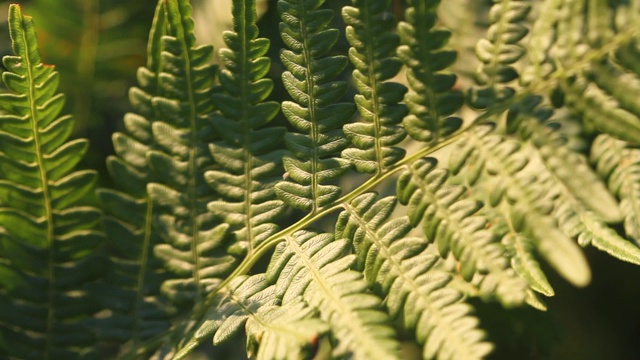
column 246, row 20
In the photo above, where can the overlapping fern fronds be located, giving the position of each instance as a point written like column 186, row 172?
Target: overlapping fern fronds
column 198, row 247
column 131, row 288
column 50, row 247
column 193, row 242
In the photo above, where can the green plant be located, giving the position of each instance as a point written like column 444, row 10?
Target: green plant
column 223, row 218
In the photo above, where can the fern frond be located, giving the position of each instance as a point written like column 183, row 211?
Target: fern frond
column 316, row 267
column 591, row 92
column 369, row 26
column 524, row 199
column 619, row 162
column 193, row 242
column 285, row 332
column 402, row 269
column 541, row 39
column 452, row 221
column 274, row 332
column 249, row 158
column 499, row 52
column 582, row 203
column 315, row 112
column 50, row 245
column 569, row 167
column 131, row 287
column 432, row 98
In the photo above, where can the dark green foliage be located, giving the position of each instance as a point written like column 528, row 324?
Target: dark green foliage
column 452, row 222
column 223, row 225
column 192, row 248
column 50, row 245
column 431, row 100
column 132, row 284
column 315, row 111
column 316, row 267
column 619, row 162
column 379, row 105
column 250, row 158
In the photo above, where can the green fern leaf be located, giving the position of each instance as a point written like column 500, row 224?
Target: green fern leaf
column 50, row 245
column 618, row 162
column 372, row 53
column 249, row 158
column 316, row 267
column 568, row 166
column 583, row 203
column 503, row 160
column 499, row 52
column 402, row 269
column 453, row 223
column 601, row 109
column 193, row 242
column 285, row 332
column 315, row 111
column 431, row 99
column 525, row 264
column 274, row 332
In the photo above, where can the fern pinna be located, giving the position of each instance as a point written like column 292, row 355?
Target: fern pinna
column 51, row 249
column 234, row 212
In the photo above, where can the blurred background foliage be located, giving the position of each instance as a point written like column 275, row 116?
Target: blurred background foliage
column 97, row 45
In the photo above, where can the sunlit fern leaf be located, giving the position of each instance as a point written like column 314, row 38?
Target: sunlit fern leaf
column 451, row 219
column 249, row 158
column 499, row 52
column 232, row 306
column 524, row 262
column 498, row 164
column 432, row 98
column 286, row 332
column 50, row 245
column 131, row 288
column 316, row 267
column 378, row 101
column 401, row 269
column 315, row 111
column 619, row 162
column 541, row 39
column 593, row 93
column 193, row 246
column 582, row 203
column 569, row 167
column 273, row 332
column 627, row 17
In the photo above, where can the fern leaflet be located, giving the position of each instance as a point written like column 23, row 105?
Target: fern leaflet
column 50, row 245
